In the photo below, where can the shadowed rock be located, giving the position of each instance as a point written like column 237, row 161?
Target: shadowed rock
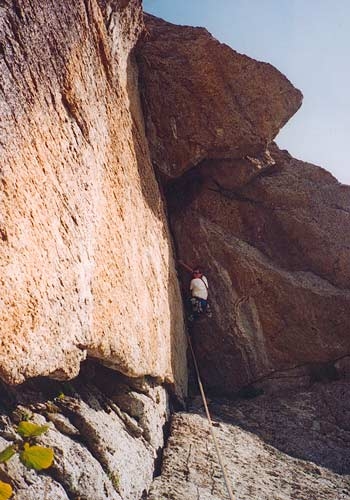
column 277, row 250
column 272, row 231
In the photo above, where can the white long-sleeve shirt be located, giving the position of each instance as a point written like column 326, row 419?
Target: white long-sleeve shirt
column 199, row 287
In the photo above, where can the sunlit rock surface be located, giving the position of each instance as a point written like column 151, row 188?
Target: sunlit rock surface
column 106, row 444
column 204, row 100
column 85, row 255
column 290, row 447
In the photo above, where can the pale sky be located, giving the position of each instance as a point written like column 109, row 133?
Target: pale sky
column 308, row 41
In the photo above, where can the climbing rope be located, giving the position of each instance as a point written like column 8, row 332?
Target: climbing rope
column 204, row 399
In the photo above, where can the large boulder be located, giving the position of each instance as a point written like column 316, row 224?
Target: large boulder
column 204, row 100
column 85, row 255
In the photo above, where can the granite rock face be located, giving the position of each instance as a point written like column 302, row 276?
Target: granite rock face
column 86, row 265
column 87, row 270
column 290, row 447
column 204, row 100
column 270, row 231
column 276, row 249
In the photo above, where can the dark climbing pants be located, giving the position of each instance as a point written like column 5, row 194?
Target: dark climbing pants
column 197, row 307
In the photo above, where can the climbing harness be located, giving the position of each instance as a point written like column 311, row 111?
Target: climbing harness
column 204, row 399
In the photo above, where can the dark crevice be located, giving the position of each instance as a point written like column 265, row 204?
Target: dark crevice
column 183, row 191
column 158, row 462
column 70, row 494
column 17, row 10
column 3, row 234
column 86, row 4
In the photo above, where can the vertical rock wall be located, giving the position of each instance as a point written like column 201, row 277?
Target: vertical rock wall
column 86, row 262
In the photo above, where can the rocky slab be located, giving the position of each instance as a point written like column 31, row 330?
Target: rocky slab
column 290, row 447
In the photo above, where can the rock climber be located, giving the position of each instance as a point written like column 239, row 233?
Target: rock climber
column 199, row 292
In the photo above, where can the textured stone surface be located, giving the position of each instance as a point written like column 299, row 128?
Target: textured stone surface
column 276, row 250
column 86, row 261
column 145, row 409
column 27, row 484
column 204, row 100
column 265, row 226
column 41, row 487
column 103, row 450
column 86, row 264
column 294, row 447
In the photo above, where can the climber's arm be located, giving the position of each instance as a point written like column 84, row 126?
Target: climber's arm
column 185, row 266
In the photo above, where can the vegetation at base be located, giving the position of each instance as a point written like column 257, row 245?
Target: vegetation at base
column 5, row 491
column 7, row 453
column 115, row 480
column 31, row 430
column 31, row 455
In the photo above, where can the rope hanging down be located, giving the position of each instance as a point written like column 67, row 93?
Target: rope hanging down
column 229, row 490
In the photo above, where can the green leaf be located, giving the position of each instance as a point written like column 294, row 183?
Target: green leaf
column 36, row 457
column 7, row 453
column 28, row 429
column 5, row 491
